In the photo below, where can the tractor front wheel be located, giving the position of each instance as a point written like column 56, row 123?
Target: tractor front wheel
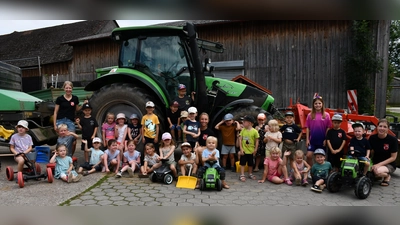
column 363, row 187
column 334, row 182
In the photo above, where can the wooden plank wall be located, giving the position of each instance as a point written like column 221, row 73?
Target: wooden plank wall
column 294, row 59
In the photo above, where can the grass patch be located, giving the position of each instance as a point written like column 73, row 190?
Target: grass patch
column 66, row 203
column 391, row 119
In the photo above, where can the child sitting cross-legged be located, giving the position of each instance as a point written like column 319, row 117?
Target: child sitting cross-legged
column 275, row 167
column 211, row 154
column 96, row 158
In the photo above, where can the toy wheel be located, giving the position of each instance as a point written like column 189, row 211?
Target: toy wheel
column 20, row 178
column 49, row 175
column 202, row 185
column 219, row 185
column 371, row 177
column 334, row 182
column 363, row 187
column 38, row 169
column 10, row 173
column 168, row 179
column 153, row 177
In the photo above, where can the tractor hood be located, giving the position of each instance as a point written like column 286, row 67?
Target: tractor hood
column 17, row 101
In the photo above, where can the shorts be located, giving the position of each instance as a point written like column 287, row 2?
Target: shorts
column 70, row 124
column 170, row 163
column 316, row 178
column 390, row 168
column 126, row 164
column 289, row 147
column 88, row 166
column 89, row 144
column 226, row 149
column 175, row 126
column 271, row 176
column 312, row 148
column 247, row 158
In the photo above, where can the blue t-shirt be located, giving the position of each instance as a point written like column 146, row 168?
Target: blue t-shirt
column 206, row 153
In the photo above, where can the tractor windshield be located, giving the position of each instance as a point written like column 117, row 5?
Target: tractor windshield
column 162, row 56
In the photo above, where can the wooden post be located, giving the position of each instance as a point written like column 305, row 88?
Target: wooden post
column 382, row 47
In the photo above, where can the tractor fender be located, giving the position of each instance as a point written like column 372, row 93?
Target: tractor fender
column 236, row 102
column 139, row 81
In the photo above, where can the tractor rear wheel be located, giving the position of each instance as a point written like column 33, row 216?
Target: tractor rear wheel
column 334, row 182
column 363, row 187
column 123, row 98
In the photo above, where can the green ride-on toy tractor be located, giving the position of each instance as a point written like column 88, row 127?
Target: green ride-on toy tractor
column 351, row 174
column 211, row 179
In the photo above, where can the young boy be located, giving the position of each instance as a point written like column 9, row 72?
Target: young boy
column 248, row 143
column 211, row 154
column 335, row 140
column 150, row 124
column 134, row 130
column 21, row 142
column 188, row 159
column 89, row 127
column 228, row 128
column 66, row 137
column 320, row 170
column 183, row 100
column 184, row 115
column 291, row 134
column 96, row 157
column 361, row 144
column 173, row 117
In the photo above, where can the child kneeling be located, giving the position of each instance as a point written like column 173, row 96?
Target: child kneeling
column 211, row 154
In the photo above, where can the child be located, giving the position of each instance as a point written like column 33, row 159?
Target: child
column 183, row 100
column 108, row 128
column 167, row 148
column 173, row 117
column 261, row 127
column 291, row 134
column 211, row 154
column 66, row 138
column 64, row 168
column 88, row 126
column 273, row 137
column 228, row 128
column 299, row 169
column 96, row 157
column 192, row 127
column 335, row 140
column 188, row 159
column 150, row 124
column 131, row 160
column 134, row 130
column 275, row 167
column 361, row 144
column 317, row 124
column 320, row 170
column 112, row 157
column 184, row 115
column 151, row 161
column 248, row 143
column 21, row 142
column 121, row 129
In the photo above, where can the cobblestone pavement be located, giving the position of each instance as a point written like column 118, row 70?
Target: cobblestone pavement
column 142, row 192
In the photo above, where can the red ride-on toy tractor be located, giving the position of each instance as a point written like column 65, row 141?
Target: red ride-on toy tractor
column 31, row 171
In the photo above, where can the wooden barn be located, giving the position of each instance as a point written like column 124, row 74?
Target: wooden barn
column 394, row 99
column 71, row 51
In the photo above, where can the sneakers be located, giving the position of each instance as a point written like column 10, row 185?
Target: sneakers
column 69, row 177
column 305, row 182
column 233, row 169
column 309, row 175
column 118, row 175
column 298, row 182
column 130, row 172
column 77, row 178
column 288, row 182
column 316, row 188
column 85, row 173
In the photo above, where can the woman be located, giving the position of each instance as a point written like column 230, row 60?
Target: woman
column 205, row 132
column 65, row 108
column 384, row 148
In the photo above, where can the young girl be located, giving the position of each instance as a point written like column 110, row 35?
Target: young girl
column 108, row 128
column 134, row 130
column 21, row 142
column 275, row 167
column 151, row 161
column 261, row 127
column 273, row 137
column 192, row 127
column 64, row 168
column 317, row 123
column 299, row 169
column 131, row 160
column 111, row 157
column 121, row 129
column 167, row 148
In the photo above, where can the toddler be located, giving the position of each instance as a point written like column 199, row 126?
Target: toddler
column 112, row 157
column 151, row 161
column 96, row 157
column 108, row 128
column 167, row 148
column 320, row 170
column 131, row 160
column 275, row 167
column 64, row 169
column 299, row 169
column 188, row 159
column 273, row 137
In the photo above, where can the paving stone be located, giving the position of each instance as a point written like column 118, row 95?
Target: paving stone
column 88, row 202
column 121, row 203
column 101, row 198
column 147, row 199
column 105, row 202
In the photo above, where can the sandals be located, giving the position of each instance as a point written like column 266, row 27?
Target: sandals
column 256, row 170
column 251, row 176
column 385, row 183
column 242, row 178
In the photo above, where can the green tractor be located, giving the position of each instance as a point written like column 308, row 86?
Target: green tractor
column 153, row 61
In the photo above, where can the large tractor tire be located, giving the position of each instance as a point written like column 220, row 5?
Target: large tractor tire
column 251, row 110
column 123, row 98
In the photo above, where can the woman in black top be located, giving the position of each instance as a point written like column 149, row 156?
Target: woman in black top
column 205, row 132
column 384, row 148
